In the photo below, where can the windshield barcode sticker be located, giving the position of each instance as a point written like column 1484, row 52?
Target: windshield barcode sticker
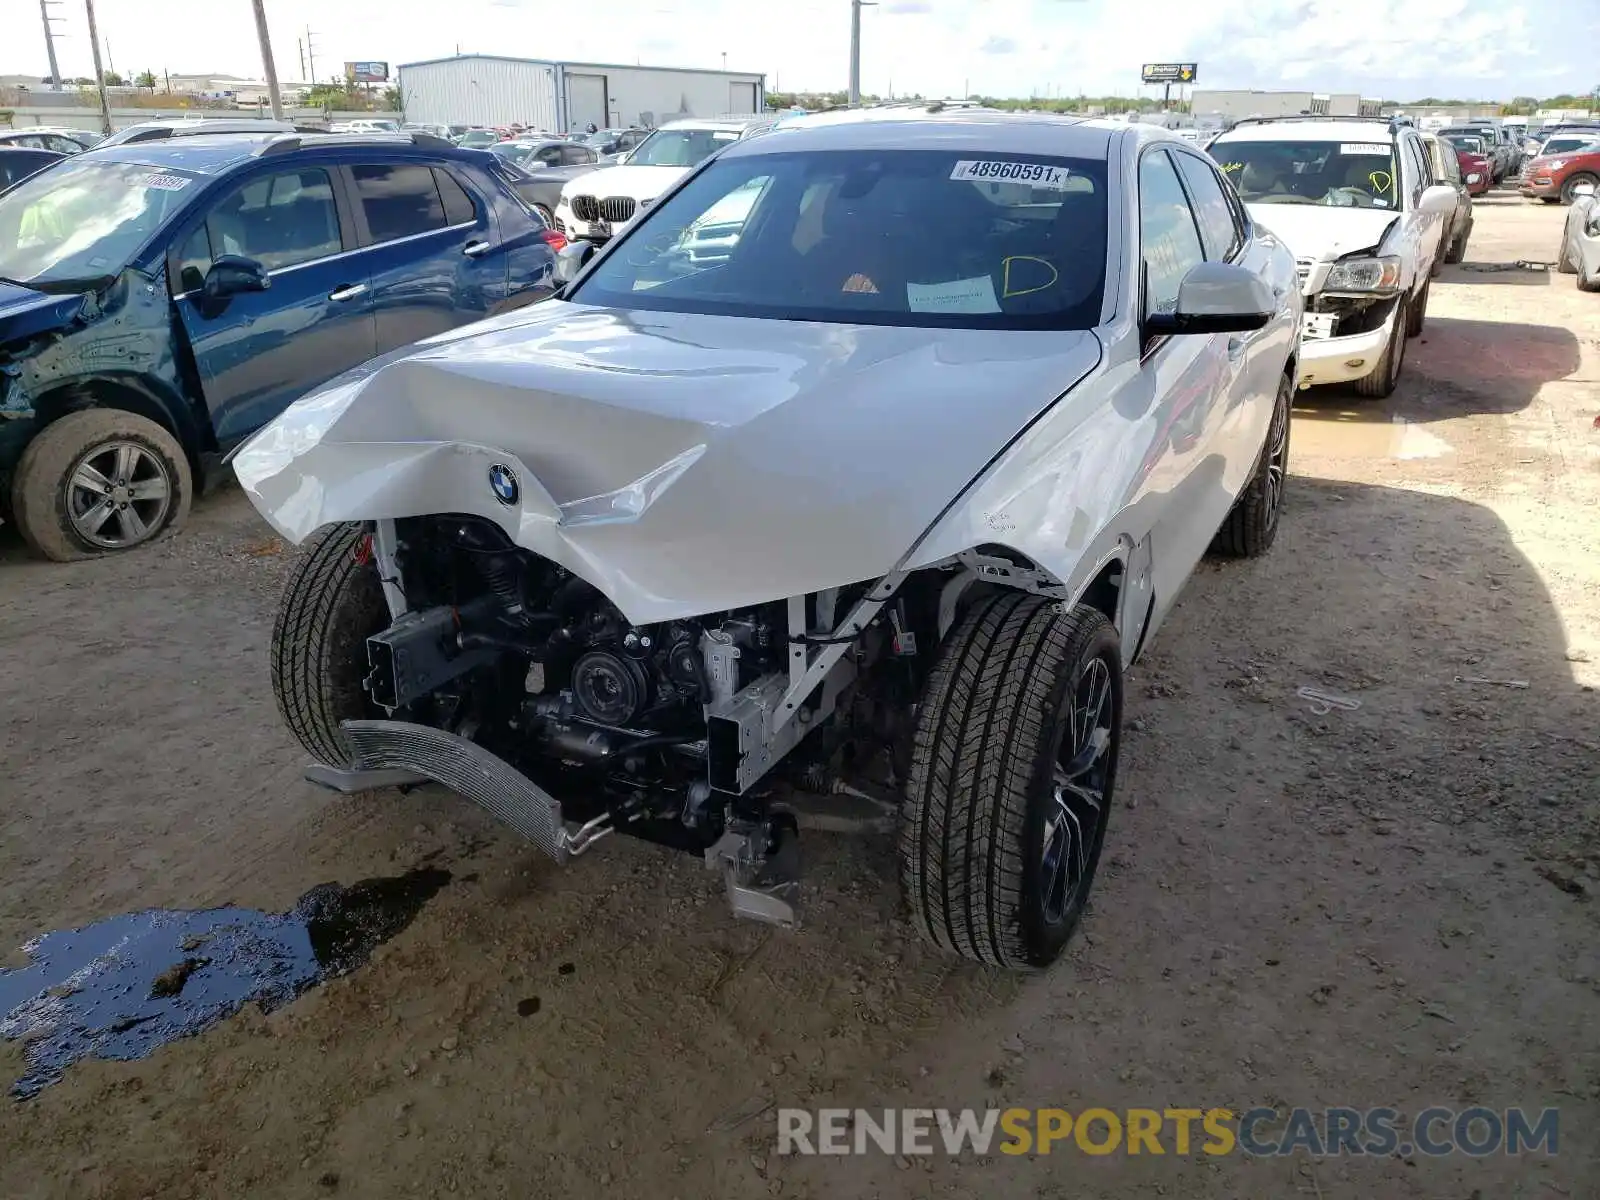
column 1364, row 148
column 995, row 171
column 166, row 183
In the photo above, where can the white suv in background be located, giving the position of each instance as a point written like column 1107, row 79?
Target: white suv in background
column 601, row 204
column 1356, row 201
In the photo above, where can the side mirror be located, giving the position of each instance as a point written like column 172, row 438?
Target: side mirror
column 1216, row 297
column 1583, row 189
column 1438, row 200
column 232, row 274
column 571, row 258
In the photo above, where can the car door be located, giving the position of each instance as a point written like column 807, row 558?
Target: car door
column 1427, row 228
column 1187, row 377
column 1447, row 170
column 259, row 351
column 436, row 263
column 1253, row 359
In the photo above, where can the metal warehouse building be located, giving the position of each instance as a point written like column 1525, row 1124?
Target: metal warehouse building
column 483, row 89
column 1281, row 104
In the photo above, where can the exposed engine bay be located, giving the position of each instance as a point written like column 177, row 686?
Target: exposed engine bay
column 1330, row 316
column 675, row 732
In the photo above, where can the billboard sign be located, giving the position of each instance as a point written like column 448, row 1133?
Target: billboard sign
column 1168, row 73
column 366, row 72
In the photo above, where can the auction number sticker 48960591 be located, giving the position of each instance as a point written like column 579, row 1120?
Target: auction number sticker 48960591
column 998, row 171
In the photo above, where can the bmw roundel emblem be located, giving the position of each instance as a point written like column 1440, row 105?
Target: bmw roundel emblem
column 503, row 481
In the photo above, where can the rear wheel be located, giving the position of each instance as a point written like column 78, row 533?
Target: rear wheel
column 99, row 481
column 331, row 604
column 1012, row 778
column 1458, row 248
column 1565, row 262
column 549, row 217
column 1381, row 380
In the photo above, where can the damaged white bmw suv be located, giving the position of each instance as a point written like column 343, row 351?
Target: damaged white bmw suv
column 1356, row 201
column 877, row 490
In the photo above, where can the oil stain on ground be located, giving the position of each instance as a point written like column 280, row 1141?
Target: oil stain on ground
column 123, row 987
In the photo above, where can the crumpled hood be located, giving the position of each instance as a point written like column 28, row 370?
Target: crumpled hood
column 25, row 313
column 1322, row 232
column 682, row 464
column 642, row 183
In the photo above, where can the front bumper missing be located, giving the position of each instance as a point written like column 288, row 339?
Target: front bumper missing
column 760, row 861
column 466, row 768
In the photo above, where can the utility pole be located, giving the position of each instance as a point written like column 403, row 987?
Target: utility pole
column 311, row 58
column 301, row 44
column 50, row 43
column 855, row 49
column 266, row 59
column 99, row 71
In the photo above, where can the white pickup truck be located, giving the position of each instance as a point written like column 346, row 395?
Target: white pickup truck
column 1356, row 201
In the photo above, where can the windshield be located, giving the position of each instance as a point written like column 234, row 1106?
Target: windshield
column 1466, row 141
column 480, row 137
column 873, row 237
column 1337, row 174
column 84, row 219
column 1566, row 145
column 680, row 147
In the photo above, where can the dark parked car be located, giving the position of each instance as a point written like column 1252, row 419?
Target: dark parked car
column 607, row 142
column 535, row 154
column 542, row 189
column 19, row 162
column 160, row 301
column 62, row 141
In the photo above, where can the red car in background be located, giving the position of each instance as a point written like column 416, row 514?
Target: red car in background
column 1560, row 167
column 1477, row 169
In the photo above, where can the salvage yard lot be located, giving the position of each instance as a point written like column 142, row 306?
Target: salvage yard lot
column 1388, row 906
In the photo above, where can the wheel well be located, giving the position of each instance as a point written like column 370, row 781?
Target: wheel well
column 52, row 405
column 1105, row 590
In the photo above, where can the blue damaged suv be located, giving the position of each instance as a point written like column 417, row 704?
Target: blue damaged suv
column 161, row 301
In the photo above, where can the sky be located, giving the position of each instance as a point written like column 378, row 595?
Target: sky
column 1379, row 48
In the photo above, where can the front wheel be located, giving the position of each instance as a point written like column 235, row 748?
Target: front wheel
column 99, row 481
column 1383, row 378
column 1458, row 248
column 331, row 605
column 1569, row 189
column 1012, row 780
column 1417, row 313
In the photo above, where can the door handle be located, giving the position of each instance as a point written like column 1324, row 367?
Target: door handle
column 476, row 249
column 348, row 291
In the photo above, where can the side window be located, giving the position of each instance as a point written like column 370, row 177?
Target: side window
column 458, row 206
column 550, row 156
column 194, row 260
column 60, row 145
column 1169, row 239
column 398, row 201
column 1217, row 225
column 1446, row 166
column 1421, row 176
column 278, row 220
column 573, row 155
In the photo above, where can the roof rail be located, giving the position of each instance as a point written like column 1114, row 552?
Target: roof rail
column 289, row 142
column 1306, row 117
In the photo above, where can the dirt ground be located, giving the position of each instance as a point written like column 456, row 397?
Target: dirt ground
column 1394, row 905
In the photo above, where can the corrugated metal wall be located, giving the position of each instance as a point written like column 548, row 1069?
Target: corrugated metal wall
column 640, row 95
column 480, row 91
